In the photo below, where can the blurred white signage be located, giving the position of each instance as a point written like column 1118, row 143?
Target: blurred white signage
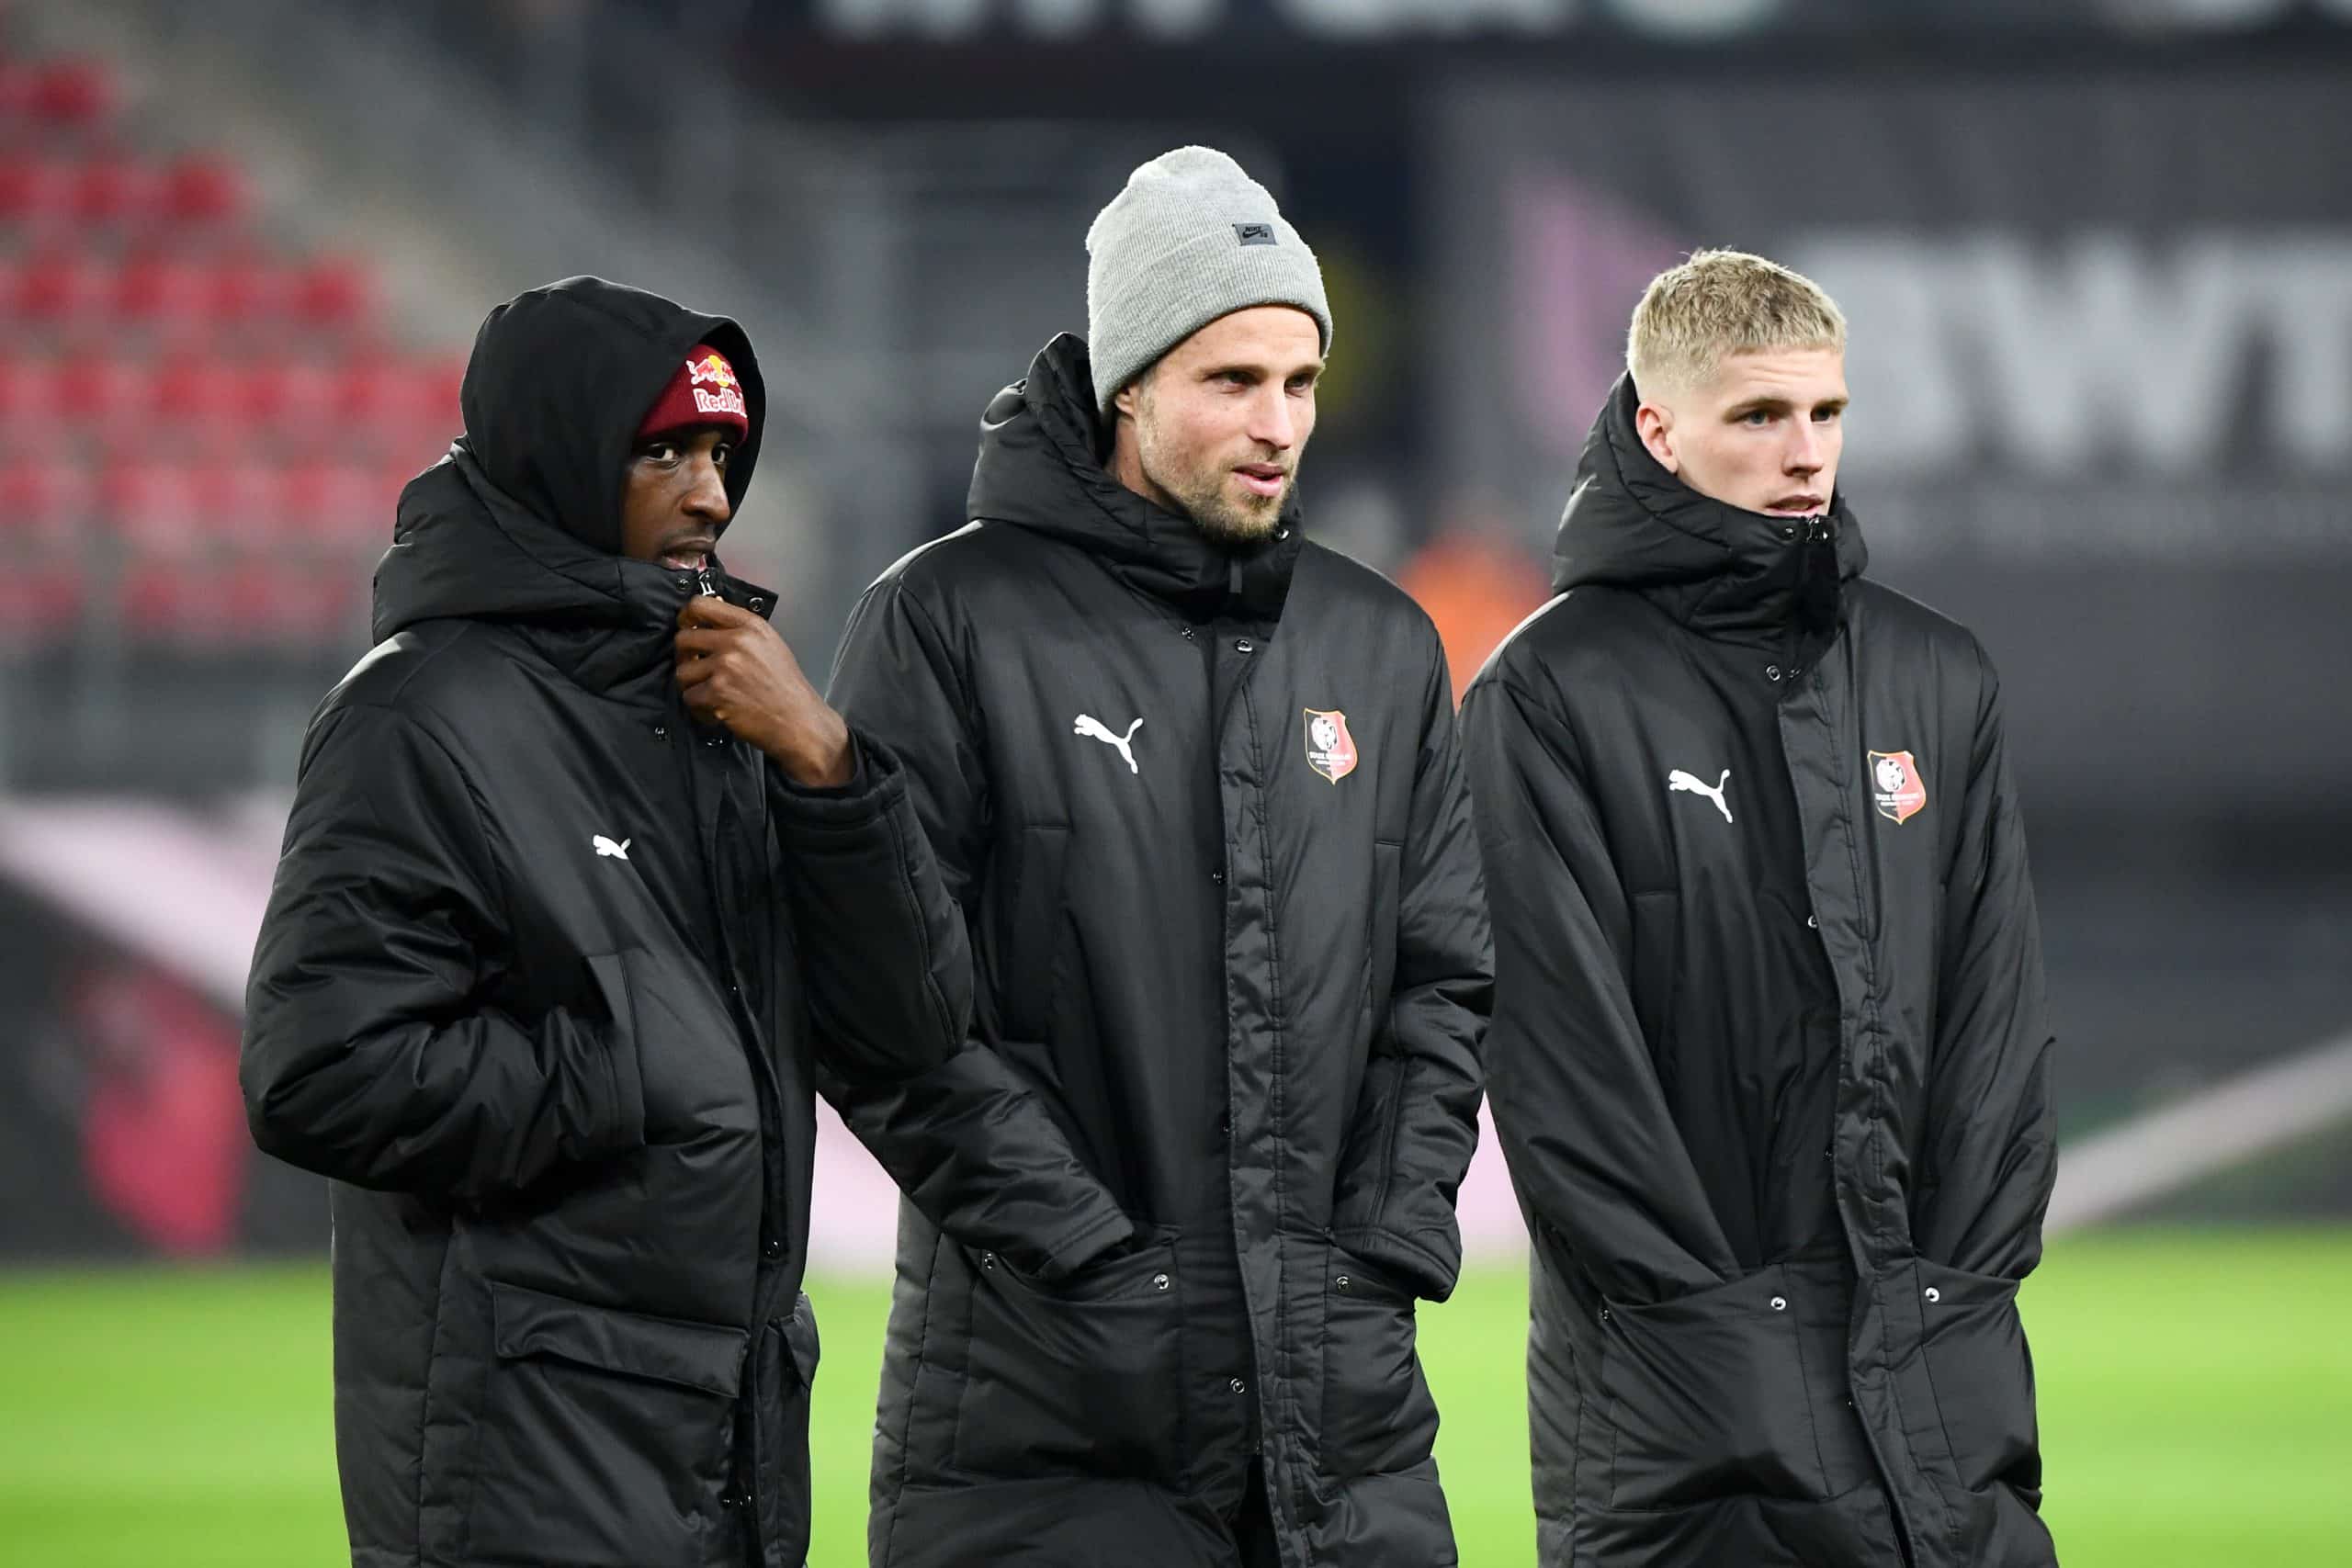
column 1179, row 20
column 2097, row 349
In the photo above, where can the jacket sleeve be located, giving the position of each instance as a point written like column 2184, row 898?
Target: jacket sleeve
column 1593, row 1151
column 1991, row 1156
column 1418, row 1123
column 369, row 1054
column 883, row 953
column 968, row 1141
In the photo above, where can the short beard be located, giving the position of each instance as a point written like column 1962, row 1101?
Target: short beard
column 1203, row 497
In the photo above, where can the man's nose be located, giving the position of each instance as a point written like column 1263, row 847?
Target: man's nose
column 1272, row 420
column 707, row 498
column 1803, row 455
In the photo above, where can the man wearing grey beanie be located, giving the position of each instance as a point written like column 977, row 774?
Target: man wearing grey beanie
column 1193, row 781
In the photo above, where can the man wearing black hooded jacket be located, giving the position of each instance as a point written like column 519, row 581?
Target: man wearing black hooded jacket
column 1195, row 780
column 1770, row 1061
column 581, row 880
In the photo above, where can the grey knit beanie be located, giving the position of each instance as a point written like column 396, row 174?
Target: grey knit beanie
column 1191, row 238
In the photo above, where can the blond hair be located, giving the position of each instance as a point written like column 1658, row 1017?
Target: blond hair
column 1723, row 302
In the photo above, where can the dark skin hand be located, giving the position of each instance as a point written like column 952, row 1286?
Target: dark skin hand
column 733, row 670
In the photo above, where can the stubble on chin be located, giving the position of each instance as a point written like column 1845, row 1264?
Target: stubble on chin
column 1230, row 524
column 1220, row 516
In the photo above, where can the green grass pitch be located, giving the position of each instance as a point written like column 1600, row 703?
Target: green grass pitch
column 2195, row 1407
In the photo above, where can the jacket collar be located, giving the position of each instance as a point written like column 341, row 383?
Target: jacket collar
column 1041, row 468
column 465, row 549
column 1715, row 567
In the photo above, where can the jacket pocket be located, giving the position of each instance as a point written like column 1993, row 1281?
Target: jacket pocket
column 1378, row 1416
column 604, row 1436
column 687, row 1052
column 1977, row 1360
column 1082, row 1375
column 1706, row 1397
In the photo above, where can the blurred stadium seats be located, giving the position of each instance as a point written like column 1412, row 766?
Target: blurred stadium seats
column 201, row 432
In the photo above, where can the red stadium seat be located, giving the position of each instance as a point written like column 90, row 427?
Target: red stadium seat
column 247, row 291
column 111, row 191
column 16, row 91
column 165, row 297
column 70, row 94
column 151, row 506
column 24, row 393
column 34, row 192
column 101, row 394
column 326, row 608
column 152, row 598
column 333, row 294
column 256, row 597
column 286, row 399
column 367, row 396
column 329, row 501
column 197, row 397
column 56, row 290
column 41, row 603
column 43, row 500
column 203, row 189
column 250, row 600
column 236, row 499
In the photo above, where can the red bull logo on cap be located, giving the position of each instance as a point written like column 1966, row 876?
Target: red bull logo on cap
column 712, row 370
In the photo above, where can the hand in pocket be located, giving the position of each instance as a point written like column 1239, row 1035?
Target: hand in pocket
column 1082, row 1374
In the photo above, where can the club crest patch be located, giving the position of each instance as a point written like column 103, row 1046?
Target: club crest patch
column 1895, row 789
column 1331, row 749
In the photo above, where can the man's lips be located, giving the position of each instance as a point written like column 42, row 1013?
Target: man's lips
column 1804, row 503
column 1262, row 479
column 690, row 554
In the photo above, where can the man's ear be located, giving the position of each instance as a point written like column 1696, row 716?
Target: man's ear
column 1656, row 427
column 1123, row 402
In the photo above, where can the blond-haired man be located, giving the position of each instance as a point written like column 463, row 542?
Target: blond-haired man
column 1768, row 1055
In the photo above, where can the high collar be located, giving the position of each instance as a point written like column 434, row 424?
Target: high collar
column 1718, row 567
column 464, row 549
column 1041, row 468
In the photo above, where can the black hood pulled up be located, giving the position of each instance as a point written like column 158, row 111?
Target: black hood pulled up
column 1630, row 523
column 1041, row 467
column 522, row 520
column 560, row 377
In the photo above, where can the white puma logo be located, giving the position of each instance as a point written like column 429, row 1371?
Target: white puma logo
column 1679, row 780
column 1088, row 724
column 607, row 847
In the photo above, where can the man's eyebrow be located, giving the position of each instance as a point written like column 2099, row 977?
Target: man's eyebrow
column 1773, row 403
column 1261, row 372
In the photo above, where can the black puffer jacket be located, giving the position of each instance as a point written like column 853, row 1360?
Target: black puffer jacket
column 538, row 987
column 1203, row 1145
column 1770, row 1060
